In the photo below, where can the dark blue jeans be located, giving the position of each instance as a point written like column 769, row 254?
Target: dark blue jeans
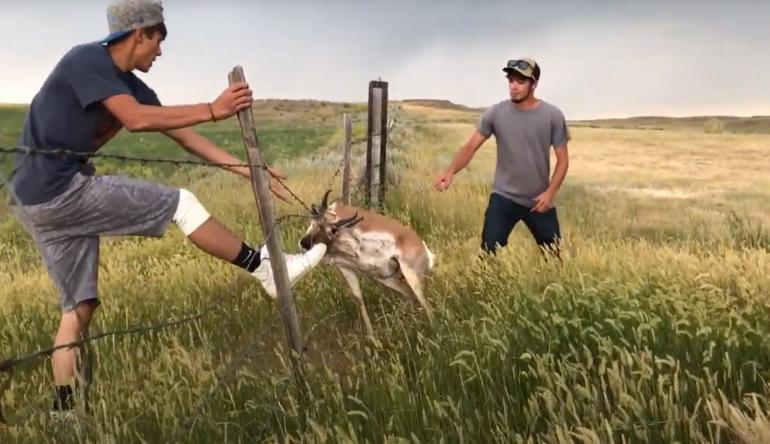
column 501, row 216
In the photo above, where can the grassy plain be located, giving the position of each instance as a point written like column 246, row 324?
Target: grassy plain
column 653, row 330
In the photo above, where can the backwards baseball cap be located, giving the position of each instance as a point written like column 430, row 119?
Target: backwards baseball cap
column 124, row 16
column 526, row 67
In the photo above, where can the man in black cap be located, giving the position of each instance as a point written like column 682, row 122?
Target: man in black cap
column 525, row 129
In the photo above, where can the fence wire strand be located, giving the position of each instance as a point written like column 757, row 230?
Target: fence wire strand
column 9, row 366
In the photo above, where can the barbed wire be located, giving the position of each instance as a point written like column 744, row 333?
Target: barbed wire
column 224, row 378
column 9, row 365
column 70, row 154
column 391, row 125
column 65, row 153
column 227, row 375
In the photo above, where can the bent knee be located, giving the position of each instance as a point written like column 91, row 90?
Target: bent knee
column 190, row 213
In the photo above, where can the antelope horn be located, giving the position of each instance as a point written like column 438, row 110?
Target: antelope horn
column 325, row 201
column 348, row 222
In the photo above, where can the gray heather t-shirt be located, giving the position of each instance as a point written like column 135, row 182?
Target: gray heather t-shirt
column 524, row 139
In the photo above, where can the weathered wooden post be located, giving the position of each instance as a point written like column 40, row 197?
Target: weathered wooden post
column 377, row 126
column 346, row 147
column 260, row 182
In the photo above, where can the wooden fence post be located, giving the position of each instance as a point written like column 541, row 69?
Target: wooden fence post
column 383, row 144
column 377, row 126
column 260, row 182
column 348, row 129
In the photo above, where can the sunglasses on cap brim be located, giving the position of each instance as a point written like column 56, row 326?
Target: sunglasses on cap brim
column 520, row 64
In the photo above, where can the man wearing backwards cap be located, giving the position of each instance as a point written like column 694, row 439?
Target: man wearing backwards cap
column 525, row 129
column 89, row 96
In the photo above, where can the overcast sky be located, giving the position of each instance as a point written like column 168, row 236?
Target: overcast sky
column 599, row 58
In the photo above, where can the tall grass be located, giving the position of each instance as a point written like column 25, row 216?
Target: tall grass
column 652, row 330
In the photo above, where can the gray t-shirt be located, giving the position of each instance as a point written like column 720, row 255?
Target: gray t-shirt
column 524, row 139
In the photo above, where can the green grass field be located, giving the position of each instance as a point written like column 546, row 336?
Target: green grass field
column 653, row 330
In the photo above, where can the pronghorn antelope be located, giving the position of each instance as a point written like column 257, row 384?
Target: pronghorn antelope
column 361, row 242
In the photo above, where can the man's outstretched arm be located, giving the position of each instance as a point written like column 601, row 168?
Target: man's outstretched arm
column 205, row 149
column 461, row 160
column 137, row 117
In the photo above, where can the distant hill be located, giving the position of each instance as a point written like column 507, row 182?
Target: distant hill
column 11, row 116
column 730, row 124
column 442, row 104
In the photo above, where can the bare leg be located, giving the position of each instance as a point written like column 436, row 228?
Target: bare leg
column 212, row 237
column 72, row 327
column 217, row 240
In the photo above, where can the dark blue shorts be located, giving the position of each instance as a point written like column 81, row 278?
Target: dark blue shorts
column 502, row 215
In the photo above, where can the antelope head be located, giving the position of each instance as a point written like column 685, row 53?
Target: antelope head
column 327, row 227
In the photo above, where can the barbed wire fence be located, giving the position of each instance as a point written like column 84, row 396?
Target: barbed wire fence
column 9, row 366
